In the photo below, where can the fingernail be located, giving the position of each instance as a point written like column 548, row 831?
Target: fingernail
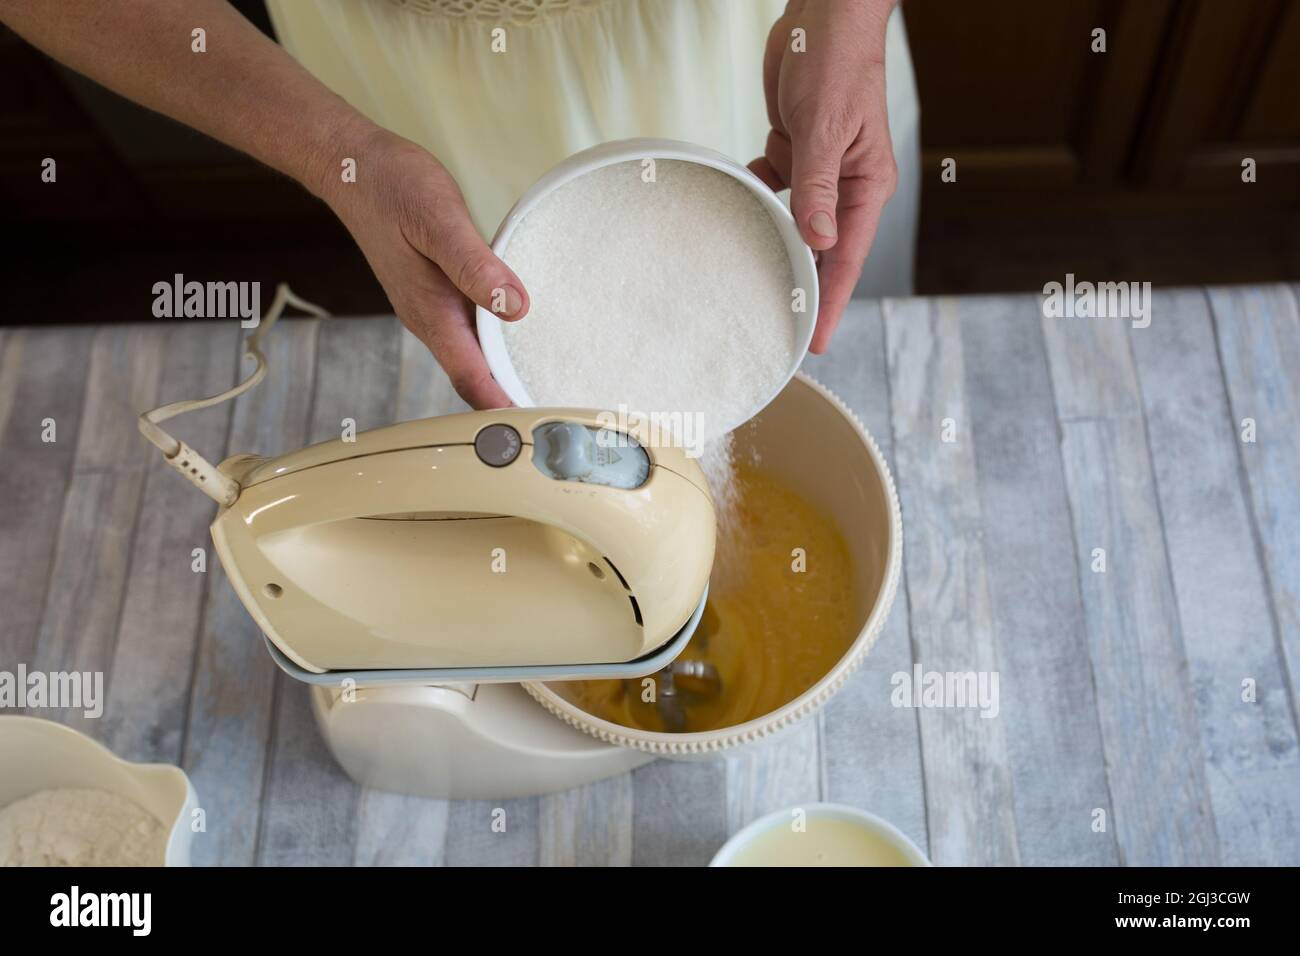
column 507, row 301
column 823, row 224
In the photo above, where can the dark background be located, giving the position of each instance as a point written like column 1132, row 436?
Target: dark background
column 1123, row 165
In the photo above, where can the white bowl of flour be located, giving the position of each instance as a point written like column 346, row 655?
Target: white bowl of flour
column 664, row 279
column 66, row 800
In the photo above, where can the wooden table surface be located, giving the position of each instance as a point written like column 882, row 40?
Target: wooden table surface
column 1147, row 713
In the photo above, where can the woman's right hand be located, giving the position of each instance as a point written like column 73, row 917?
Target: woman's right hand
column 408, row 216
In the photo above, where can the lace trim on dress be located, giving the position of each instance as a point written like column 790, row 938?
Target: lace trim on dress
column 494, row 11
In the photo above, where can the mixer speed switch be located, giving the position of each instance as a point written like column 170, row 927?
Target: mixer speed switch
column 571, row 451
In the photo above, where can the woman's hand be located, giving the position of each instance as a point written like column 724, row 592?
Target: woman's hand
column 404, row 210
column 830, row 136
column 409, row 218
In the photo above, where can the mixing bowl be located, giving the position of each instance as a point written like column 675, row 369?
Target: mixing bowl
column 813, row 444
column 490, row 335
column 40, row 755
column 491, row 741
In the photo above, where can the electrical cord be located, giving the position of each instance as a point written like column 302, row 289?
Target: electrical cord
column 197, row 470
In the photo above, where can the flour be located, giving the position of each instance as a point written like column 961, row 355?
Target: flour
column 667, row 297
column 73, row 827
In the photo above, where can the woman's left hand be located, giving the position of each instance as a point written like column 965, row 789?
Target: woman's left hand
column 829, row 142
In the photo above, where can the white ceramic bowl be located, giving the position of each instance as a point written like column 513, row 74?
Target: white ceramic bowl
column 40, row 755
column 885, row 831
column 813, row 444
column 490, row 335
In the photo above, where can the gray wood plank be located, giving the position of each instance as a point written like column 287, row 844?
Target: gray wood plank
column 42, row 375
column 1259, row 344
column 1252, row 762
column 871, row 750
column 493, row 833
column 227, row 735
column 310, row 807
column 1092, row 368
column 1149, row 727
column 153, row 662
column 396, row 830
column 783, row 772
column 679, row 812
column 587, row 826
column 965, row 757
column 1053, row 731
column 92, row 558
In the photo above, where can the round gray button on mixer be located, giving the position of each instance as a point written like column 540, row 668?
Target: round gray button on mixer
column 497, row 445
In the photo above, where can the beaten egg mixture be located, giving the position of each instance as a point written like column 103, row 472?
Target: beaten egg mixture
column 778, row 618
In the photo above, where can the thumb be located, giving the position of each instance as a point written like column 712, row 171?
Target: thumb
column 814, row 186
column 451, row 241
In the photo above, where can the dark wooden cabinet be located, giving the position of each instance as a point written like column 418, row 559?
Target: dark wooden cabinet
column 1014, row 91
column 139, row 198
column 1127, row 161
column 1229, row 89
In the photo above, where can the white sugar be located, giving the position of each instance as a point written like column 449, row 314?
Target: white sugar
column 667, row 297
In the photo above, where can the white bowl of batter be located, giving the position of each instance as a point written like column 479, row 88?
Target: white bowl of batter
column 820, row 834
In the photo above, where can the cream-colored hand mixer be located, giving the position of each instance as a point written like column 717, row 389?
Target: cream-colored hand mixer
column 507, row 545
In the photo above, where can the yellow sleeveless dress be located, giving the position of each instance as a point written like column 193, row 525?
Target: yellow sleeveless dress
column 501, row 90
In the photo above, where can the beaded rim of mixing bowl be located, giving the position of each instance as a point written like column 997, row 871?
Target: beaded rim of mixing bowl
column 811, row 700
